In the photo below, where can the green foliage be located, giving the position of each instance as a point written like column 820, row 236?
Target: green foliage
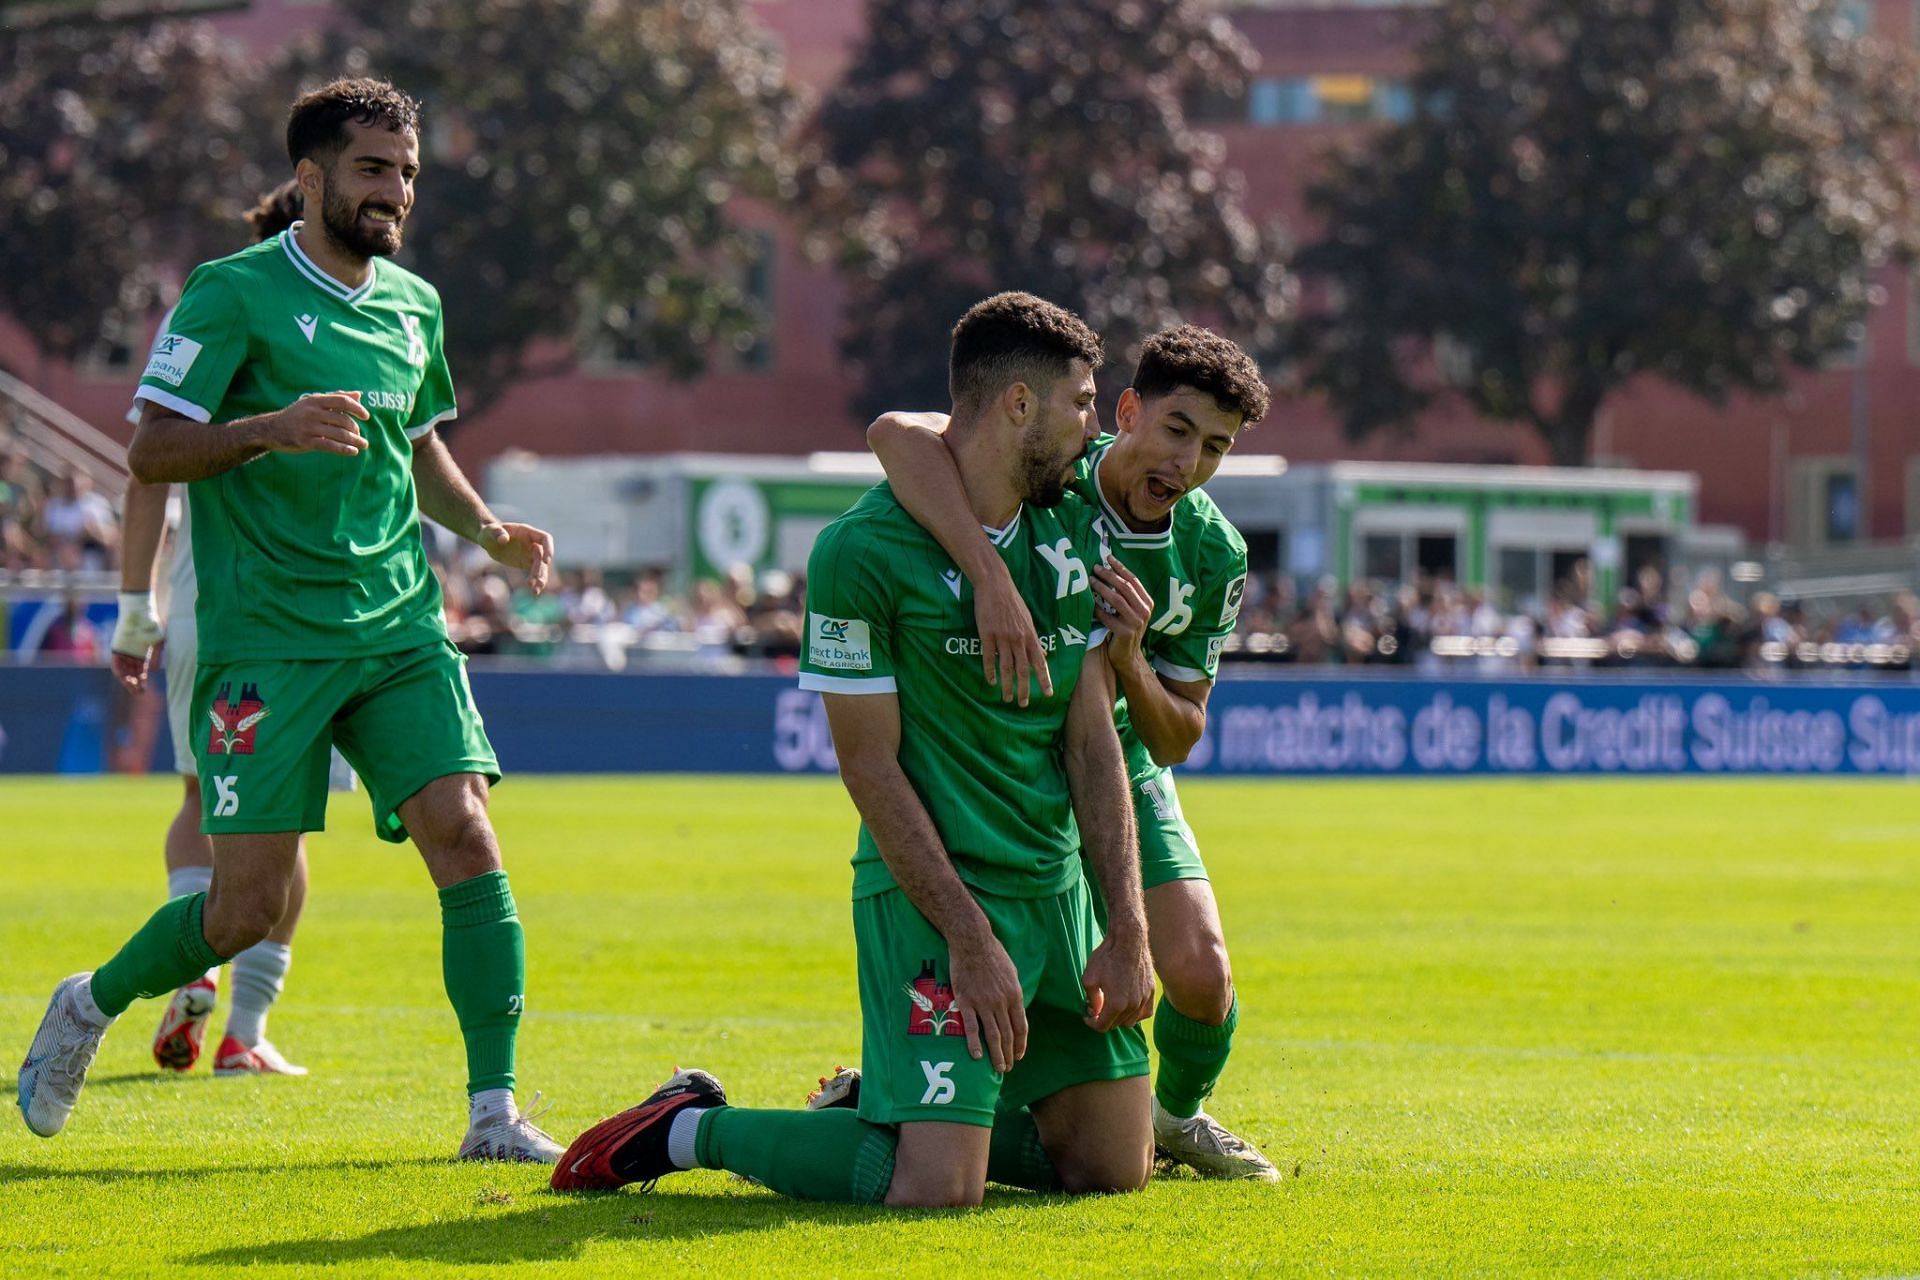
column 119, row 155
column 583, row 167
column 979, row 145
column 1593, row 189
column 1512, row 1027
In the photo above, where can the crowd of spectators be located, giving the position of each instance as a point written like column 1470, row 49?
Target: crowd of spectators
column 57, row 521
column 1434, row 624
column 52, row 520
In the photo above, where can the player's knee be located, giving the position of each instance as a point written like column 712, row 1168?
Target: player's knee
column 1105, row 1172
column 1198, row 979
column 933, row 1184
column 459, row 842
column 234, row 920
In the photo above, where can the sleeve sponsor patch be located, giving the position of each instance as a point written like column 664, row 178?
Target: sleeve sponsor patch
column 839, row 644
column 1236, row 592
column 1214, row 646
column 172, row 357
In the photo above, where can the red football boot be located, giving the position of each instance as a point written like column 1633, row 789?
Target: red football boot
column 632, row 1146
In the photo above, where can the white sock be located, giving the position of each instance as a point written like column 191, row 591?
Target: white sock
column 488, row 1105
column 259, row 975
column 683, row 1137
column 182, row 881
column 83, row 1001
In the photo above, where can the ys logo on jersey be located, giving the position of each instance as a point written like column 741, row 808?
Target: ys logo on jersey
column 235, row 723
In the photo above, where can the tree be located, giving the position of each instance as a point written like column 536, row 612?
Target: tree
column 978, row 145
column 121, row 154
column 583, row 163
column 1592, row 189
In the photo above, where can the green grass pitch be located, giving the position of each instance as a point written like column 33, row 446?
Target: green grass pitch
column 1626, row 1028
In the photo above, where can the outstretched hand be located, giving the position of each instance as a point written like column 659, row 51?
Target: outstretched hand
column 520, row 546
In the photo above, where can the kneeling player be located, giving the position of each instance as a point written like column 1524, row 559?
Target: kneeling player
column 1169, row 597
column 985, row 980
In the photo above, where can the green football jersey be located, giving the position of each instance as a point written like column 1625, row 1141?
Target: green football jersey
column 1196, row 572
column 309, row 555
column 888, row 612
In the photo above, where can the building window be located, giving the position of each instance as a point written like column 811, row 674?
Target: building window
column 1913, row 496
column 1395, row 557
column 1325, row 99
column 1913, row 304
column 1824, row 504
column 1856, row 17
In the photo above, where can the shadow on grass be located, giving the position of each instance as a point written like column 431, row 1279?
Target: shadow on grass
column 11, row 1173
column 167, row 1079
column 553, row 1228
column 162, row 1079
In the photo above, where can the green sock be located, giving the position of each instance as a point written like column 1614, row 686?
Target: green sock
column 809, row 1155
column 169, row 951
column 1015, row 1155
column 1192, row 1056
column 483, row 957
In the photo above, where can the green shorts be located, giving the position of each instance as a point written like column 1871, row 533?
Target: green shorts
column 914, row 1063
column 267, row 727
column 1168, row 850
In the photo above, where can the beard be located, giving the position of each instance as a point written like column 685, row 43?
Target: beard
column 363, row 239
column 1046, row 469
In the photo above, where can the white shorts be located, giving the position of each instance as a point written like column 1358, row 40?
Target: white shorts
column 182, row 658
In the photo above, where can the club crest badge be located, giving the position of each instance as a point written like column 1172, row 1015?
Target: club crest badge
column 235, row 723
column 932, row 1012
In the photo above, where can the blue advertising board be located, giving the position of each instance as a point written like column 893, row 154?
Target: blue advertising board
column 68, row 719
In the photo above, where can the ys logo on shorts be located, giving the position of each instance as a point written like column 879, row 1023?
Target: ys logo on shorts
column 235, row 723
column 932, row 1013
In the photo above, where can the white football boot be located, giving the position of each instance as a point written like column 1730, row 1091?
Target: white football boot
column 512, row 1135
column 57, row 1061
column 236, row 1059
column 1208, row 1147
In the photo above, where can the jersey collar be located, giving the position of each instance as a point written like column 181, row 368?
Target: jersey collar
column 320, row 279
column 1004, row 535
column 1117, row 523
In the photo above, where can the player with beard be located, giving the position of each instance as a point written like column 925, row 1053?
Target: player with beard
column 296, row 391
column 984, row 976
column 1170, row 595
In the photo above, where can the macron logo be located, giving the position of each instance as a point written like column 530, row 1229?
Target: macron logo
column 952, row 578
column 307, row 325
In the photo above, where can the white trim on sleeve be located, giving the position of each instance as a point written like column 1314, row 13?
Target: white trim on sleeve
column 1185, row 675
column 1099, row 637
column 167, row 400
column 414, row 433
column 846, row 684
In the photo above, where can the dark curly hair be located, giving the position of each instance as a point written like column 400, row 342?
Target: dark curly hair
column 317, row 127
column 1015, row 337
column 278, row 209
column 1189, row 356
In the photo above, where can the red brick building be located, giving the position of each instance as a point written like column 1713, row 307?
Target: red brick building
column 1837, row 459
